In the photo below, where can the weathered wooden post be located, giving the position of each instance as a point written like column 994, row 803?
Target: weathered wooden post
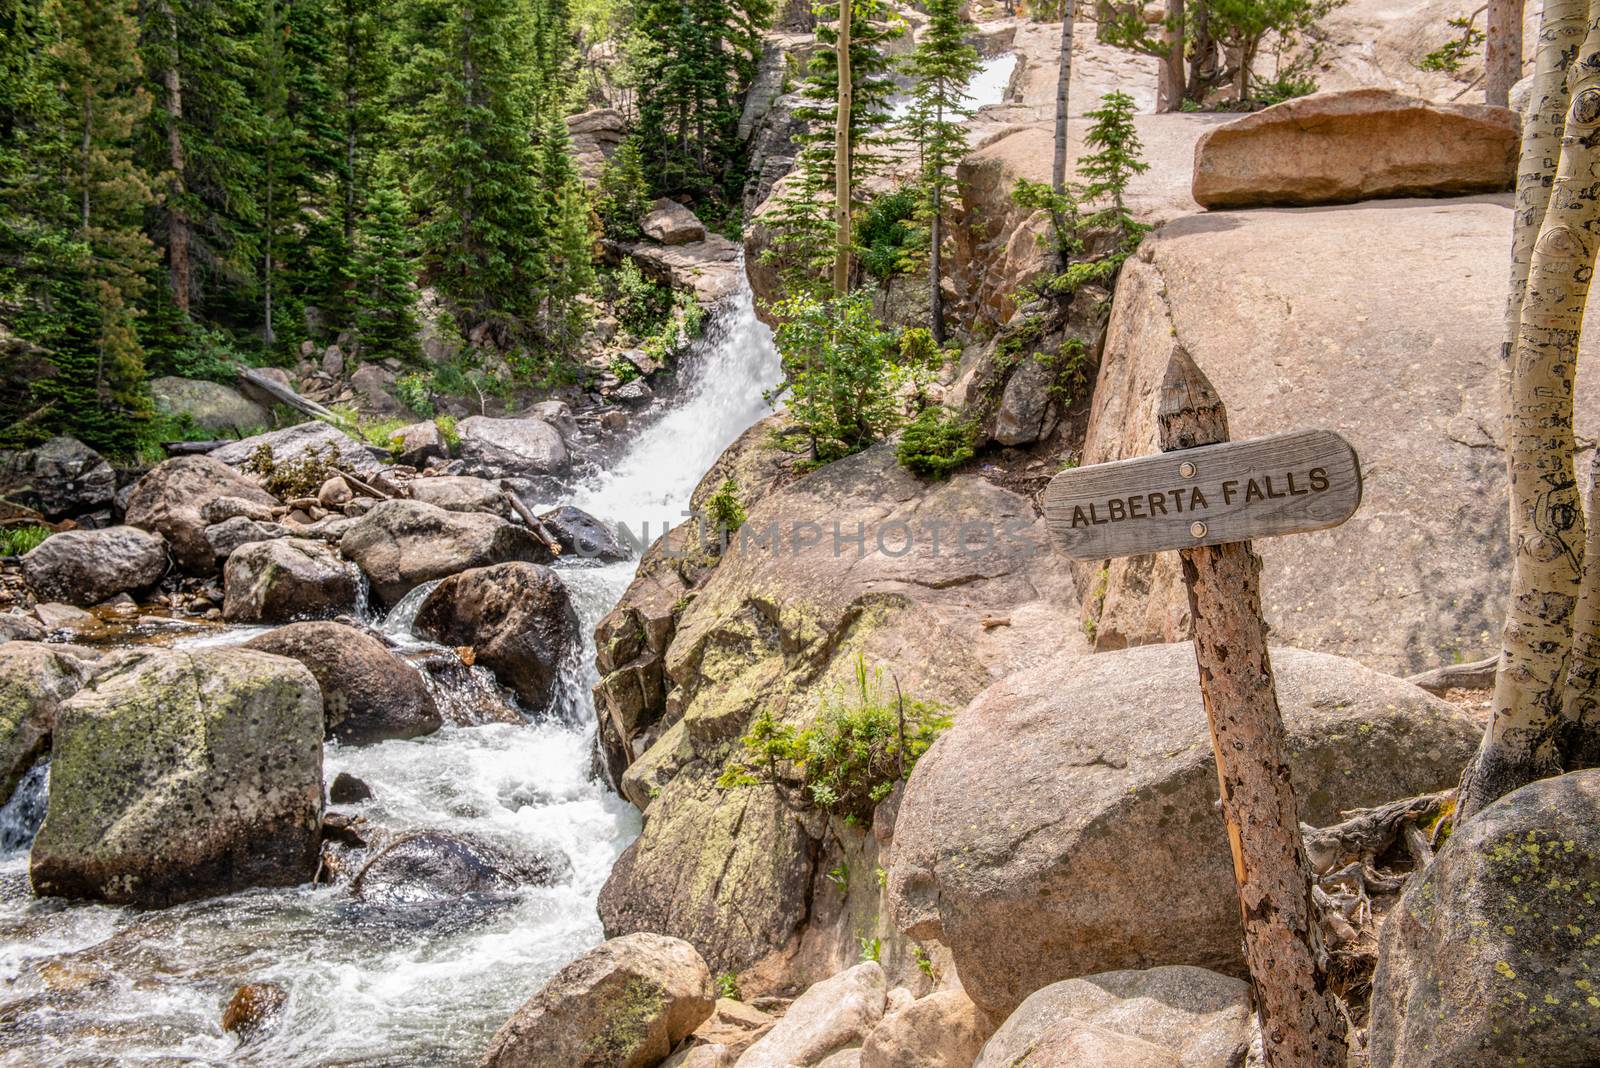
column 1207, row 502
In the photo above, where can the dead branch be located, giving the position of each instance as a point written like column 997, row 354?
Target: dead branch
column 1478, row 675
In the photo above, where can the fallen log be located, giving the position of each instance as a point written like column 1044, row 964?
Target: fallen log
column 1478, row 675
column 284, row 395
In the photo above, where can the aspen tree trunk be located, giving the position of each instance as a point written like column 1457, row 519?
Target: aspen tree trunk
column 1169, row 91
column 1580, row 709
column 841, row 160
column 1502, row 51
column 1562, row 25
column 1520, row 744
column 1301, row 1026
column 1058, row 167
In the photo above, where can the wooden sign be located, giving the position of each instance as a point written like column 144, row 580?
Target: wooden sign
column 1234, row 491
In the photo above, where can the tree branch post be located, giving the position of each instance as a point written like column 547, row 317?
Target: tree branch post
column 841, row 159
column 1301, row 1024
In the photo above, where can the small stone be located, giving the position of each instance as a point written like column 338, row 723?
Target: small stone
column 253, row 1007
column 346, row 789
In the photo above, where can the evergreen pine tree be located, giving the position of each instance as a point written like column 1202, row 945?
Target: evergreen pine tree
column 385, row 279
column 571, row 250
column 698, row 57
column 483, row 238
column 1116, row 157
column 941, row 67
column 98, row 389
column 622, row 194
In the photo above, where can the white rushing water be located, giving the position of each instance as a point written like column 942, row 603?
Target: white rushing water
column 987, row 87
column 90, row 985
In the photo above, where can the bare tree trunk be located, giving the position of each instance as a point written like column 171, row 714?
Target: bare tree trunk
column 1580, row 710
column 1202, row 54
column 1058, row 167
column 1502, row 51
column 1169, row 90
column 1301, row 1026
column 1520, row 744
column 1562, row 25
column 935, row 239
column 841, row 160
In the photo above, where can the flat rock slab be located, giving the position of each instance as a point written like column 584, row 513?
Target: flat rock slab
column 1359, row 144
column 1380, row 322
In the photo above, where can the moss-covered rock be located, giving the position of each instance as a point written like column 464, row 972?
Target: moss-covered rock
column 35, row 679
column 624, row 1004
column 1493, row 956
column 178, row 775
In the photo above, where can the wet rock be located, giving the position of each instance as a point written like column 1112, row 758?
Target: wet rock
column 285, row 579
column 460, row 493
column 171, row 500
column 636, row 392
column 56, row 616
column 624, row 1004
column 85, row 567
column 296, row 442
column 583, row 536
column 346, row 789
column 343, row 829
column 432, row 867
column 61, row 477
column 401, row 544
column 518, row 619
column 1358, row 144
column 368, row 693
column 1140, row 875
column 253, row 1008
column 209, row 405
column 834, row 1014
column 1175, row 1017
column 35, row 680
column 16, row 627
column 670, row 223
column 943, row 1030
column 1492, row 956
column 509, row 448
column 182, row 775
column 229, row 535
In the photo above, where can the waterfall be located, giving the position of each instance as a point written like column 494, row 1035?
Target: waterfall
column 361, row 993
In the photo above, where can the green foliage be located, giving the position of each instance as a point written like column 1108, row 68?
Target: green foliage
column 301, row 476
column 862, row 743
column 887, row 237
column 871, row 948
column 695, row 58
column 15, row 541
column 728, row 986
column 924, row 962
column 936, row 442
column 839, row 876
column 448, row 431
column 1115, row 161
column 570, row 259
column 1285, row 87
column 1241, row 26
column 622, row 195
column 641, row 306
column 725, row 509
column 1449, row 56
column 415, row 391
column 386, row 324
column 839, row 372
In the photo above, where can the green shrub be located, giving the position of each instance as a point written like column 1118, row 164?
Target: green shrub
column 287, row 479
column 1285, row 87
column 840, row 372
column 14, row 541
column 728, row 986
column 641, row 306
column 935, row 443
column 861, row 744
column 887, row 238
column 725, row 509
column 622, row 194
column 1448, row 57
column 415, row 391
column 448, row 431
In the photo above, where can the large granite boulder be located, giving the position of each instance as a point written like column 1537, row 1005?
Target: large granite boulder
column 1072, row 810
column 510, row 448
column 35, row 680
column 779, row 625
column 368, row 693
column 182, row 775
column 286, row 579
column 238, row 531
column 1173, row 1017
column 459, row 493
column 1358, row 144
column 302, row 440
column 670, row 223
column 519, row 620
column 1493, row 955
column 1279, row 309
column 85, row 567
column 595, row 136
column 402, row 544
column 61, row 477
column 583, row 536
column 171, row 500
column 210, row 405
column 832, row 1015
column 624, row 1004
column 942, row 1030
